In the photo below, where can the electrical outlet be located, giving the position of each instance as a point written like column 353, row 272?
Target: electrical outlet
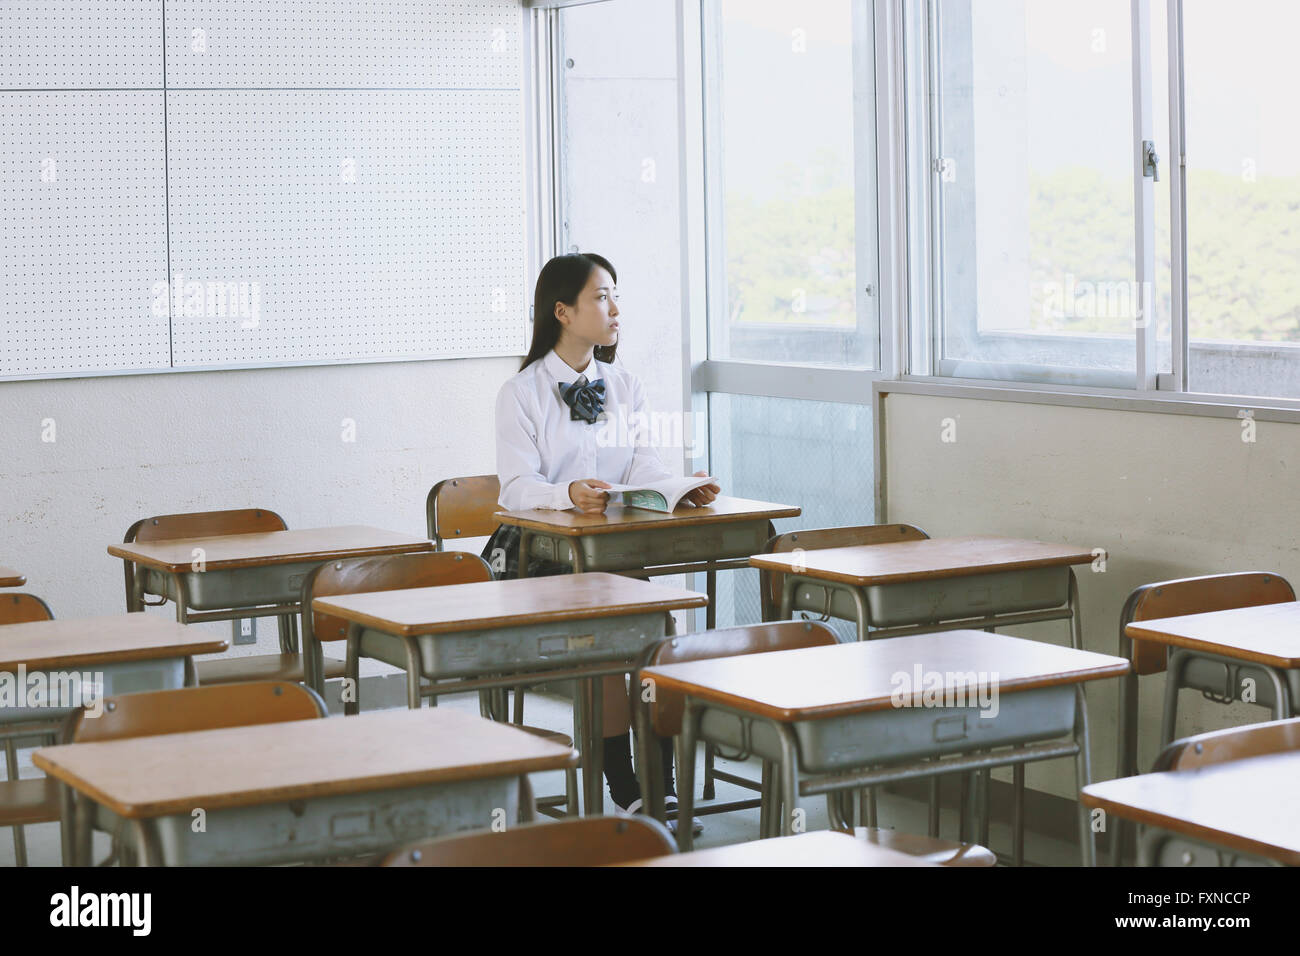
column 245, row 630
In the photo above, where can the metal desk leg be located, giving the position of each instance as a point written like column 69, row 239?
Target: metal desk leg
column 11, row 770
column 1018, row 815
column 1076, row 617
column 412, row 673
column 765, row 801
column 146, row 838
column 686, row 773
column 789, row 770
column 83, row 821
column 711, row 609
column 1083, row 777
column 352, row 666
column 649, row 761
column 1173, row 683
column 67, row 822
column 593, row 777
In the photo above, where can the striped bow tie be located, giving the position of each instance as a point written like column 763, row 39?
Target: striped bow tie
column 585, row 400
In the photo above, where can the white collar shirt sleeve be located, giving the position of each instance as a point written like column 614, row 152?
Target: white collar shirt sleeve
column 541, row 449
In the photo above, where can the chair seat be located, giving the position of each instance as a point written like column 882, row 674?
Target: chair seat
column 28, row 801
column 564, row 740
column 236, row 670
column 930, row 849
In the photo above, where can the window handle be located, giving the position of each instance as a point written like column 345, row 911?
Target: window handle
column 1150, row 160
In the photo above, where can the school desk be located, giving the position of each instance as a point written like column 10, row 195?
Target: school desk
column 908, row 587
column 636, row 541
column 1239, row 813
column 1213, row 652
column 116, row 654
column 225, row 577
column 9, row 578
column 829, row 715
column 120, row 652
column 823, row 848
column 513, row 633
column 306, row 790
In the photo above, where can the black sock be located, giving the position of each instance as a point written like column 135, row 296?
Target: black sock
column 623, row 788
column 666, row 749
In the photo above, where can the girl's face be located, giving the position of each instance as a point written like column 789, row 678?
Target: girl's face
column 593, row 319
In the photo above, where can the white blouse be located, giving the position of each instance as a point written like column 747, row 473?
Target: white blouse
column 541, row 449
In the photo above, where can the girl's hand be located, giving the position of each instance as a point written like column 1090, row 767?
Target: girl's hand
column 705, row 494
column 586, row 494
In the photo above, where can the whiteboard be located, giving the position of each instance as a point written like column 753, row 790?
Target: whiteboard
column 313, row 182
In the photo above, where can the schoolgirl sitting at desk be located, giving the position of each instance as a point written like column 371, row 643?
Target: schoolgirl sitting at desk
column 550, row 455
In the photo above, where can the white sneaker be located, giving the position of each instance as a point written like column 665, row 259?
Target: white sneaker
column 697, row 825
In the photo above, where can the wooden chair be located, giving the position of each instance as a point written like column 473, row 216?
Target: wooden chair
column 458, row 508
column 462, row 508
column 33, row 800
column 1235, row 743
column 663, row 716
column 288, row 664
column 586, row 841
column 1199, row 595
column 398, row 572
column 770, row 581
column 189, row 709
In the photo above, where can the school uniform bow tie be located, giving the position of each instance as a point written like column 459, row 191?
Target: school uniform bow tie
column 585, row 399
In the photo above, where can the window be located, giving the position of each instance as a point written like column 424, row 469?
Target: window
column 1243, row 198
column 789, row 146
column 1050, row 250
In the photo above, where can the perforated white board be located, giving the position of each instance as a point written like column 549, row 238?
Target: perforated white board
column 362, row 225
column 83, row 235
column 81, row 44
column 420, row 44
column 346, row 183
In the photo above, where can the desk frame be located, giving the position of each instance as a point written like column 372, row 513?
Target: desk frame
column 786, row 769
column 587, row 705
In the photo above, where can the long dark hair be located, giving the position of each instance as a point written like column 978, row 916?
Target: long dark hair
column 561, row 280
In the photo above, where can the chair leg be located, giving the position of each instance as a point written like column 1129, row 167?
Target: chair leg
column 519, row 705
column 571, row 791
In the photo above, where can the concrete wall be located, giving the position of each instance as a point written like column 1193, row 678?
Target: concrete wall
column 1166, row 495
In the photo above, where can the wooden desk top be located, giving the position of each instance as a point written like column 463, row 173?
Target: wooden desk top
column 1250, row 805
column 9, row 578
column 843, row 679
column 574, row 524
column 111, row 639
column 224, row 552
column 490, row 604
column 822, row 848
column 274, row 763
column 862, row 565
column 1267, row 634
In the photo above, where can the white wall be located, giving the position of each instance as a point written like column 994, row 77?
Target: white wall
column 130, row 446
column 1166, row 495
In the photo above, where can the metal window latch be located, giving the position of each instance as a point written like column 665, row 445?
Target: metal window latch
column 1150, row 160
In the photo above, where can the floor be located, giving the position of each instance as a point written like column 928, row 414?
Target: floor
column 719, row 829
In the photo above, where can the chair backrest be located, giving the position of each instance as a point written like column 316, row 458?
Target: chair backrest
column 666, row 708
column 770, row 582
column 423, row 569
column 199, row 524
column 1235, row 743
column 23, row 609
column 585, row 841
column 150, row 713
column 1212, row 592
column 463, row 508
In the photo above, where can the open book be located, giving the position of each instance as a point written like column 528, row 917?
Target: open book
column 663, row 495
